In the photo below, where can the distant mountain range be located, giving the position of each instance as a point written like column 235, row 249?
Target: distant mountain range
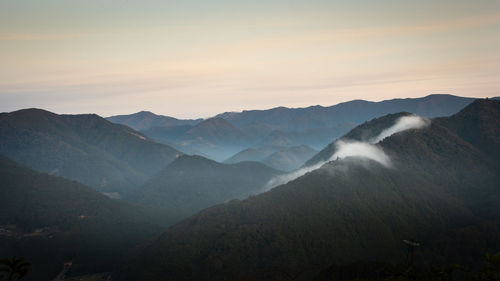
column 440, row 189
column 193, row 183
column 86, row 148
column 145, row 120
column 314, row 126
column 356, row 111
column 215, row 138
column 50, row 220
column 289, row 159
column 282, row 158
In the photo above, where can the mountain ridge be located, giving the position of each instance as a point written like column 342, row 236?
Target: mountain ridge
column 86, row 148
column 315, row 126
column 427, row 106
column 439, row 191
column 144, row 120
column 192, row 183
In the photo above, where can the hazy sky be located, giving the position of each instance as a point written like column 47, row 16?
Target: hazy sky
column 194, row 58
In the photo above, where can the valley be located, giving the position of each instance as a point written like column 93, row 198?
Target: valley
column 288, row 140
column 237, row 219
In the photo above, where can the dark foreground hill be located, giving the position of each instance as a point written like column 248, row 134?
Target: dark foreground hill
column 441, row 189
column 50, row 220
column 192, row 183
column 86, row 148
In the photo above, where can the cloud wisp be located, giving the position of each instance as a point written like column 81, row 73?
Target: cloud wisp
column 402, row 124
column 366, row 150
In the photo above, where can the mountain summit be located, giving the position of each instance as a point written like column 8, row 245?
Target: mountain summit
column 145, row 120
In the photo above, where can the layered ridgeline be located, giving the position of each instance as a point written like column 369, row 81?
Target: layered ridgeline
column 434, row 184
column 145, row 120
column 214, row 137
column 462, row 124
column 86, row 148
column 254, row 153
column 289, row 159
column 50, row 220
column 356, row 111
column 278, row 157
column 228, row 133
column 192, row 183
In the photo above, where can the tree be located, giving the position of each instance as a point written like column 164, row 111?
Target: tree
column 16, row 268
column 491, row 269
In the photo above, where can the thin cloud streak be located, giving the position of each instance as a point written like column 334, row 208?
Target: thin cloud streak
column 360, row 150
column 224, row 63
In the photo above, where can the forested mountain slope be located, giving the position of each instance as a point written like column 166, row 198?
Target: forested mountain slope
column 437, row 190
column 86, row 148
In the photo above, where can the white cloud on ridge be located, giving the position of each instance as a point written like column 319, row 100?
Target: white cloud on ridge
column 402, row 124
column 368, row 150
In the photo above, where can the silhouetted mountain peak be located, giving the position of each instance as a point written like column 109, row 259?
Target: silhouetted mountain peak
column 481, row 107
column 478, row 124
column 32, row 111
column 189, row 161
column 144, row 120
column 216, row 130
column 145, row 112
column 28, row 115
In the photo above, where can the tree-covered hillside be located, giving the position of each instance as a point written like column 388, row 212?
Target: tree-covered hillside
column 50, row 220
column 441, row 190
column 192, row 183
column 363, row 132
column 85, row 148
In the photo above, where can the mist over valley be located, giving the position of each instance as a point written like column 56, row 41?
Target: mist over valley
column 257, row 140
column 393, row 177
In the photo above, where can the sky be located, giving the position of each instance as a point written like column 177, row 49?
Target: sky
column 197, row 58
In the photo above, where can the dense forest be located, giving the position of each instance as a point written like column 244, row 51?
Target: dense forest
column 429, row 212
column 442, row 190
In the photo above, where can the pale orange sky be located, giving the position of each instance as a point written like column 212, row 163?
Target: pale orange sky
column 198, row 58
